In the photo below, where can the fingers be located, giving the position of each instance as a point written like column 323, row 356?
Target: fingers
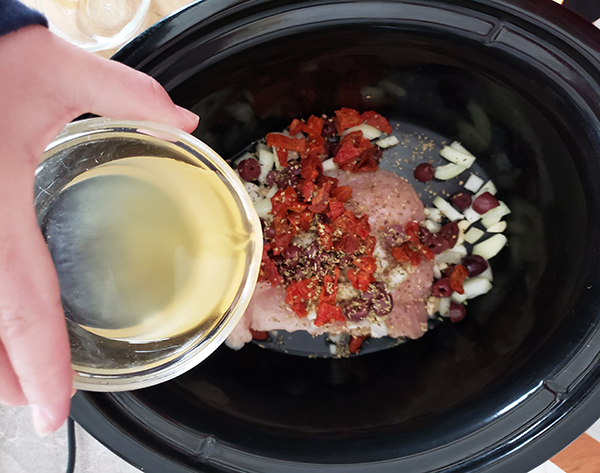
column 111, row 89
column 11, row 393
column 32, row 324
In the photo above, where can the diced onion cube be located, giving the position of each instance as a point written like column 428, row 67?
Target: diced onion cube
column 475, row 287
column 474, row 183
column 396, row 277
column 491, row 247
column 459, row 298
column 432, row 305
column 463, row 225
column 487, row 274
column 443, row 173
column 369, row 132
column 432, row 226
column 387, row 142
column 266, row 159
column 433, row 214
column 272, row 191
column 450, row 256
column 445, row 306
column 446, row 208
column 329, row 165
column 457, row 155
column 473, row 235
column 497, row 227
column 493, row 216
column 471, row 216
column 437, row 273
column 489, row 186
column 263, row 207
column 378, row 329
column 253, row 191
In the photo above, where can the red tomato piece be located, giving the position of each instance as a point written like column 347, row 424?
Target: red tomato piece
column 287, row 143
column 368, row 264
column 300, row 308
column 343, row 193
column 355, row 343
column 335, row 209
column 349, row 244
column 346, row 118
column 330, row 288
column 321, row 198
column 269, row 271
column 457, row 278
column 405, row 254
column 328, row 313
column 295, row 127
column 282, row 155
column 302, row 290
column 313, row 127
column 374, row 119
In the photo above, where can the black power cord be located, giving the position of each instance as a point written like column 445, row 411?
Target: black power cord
column 71, row 445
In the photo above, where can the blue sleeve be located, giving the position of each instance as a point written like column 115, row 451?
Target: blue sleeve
column 15, row 15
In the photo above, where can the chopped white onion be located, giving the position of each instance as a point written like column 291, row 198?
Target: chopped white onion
column 437, row 273
column 475, row 287
column 489, row 186
column 369, row 132
column 432, row 226
column 445, row 306
column 263, row 208
column 473, row 235
column 396, row 277
column 378, row 329
column 456, row 154
column 471, row 216
column 474, row 183
column 491, row 247
column 493, row 216
column 433, row 214
column 332, row 349
column 497, row 227
column 458, row 298
column 446, row 208
column 387, row 142
column 272, row 191
column 432, row 305
column 463, row 225
column 278, row 165
column 449, row 256
column 253, row 191
column 487, row 274
column 444, row 173
column 266, row 159
column 329, row 165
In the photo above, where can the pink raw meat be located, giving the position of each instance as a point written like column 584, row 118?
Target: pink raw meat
column 388, row 200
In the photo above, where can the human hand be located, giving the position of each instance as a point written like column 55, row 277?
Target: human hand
column 44, row 84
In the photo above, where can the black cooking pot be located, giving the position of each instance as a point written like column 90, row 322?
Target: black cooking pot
column 518, row 83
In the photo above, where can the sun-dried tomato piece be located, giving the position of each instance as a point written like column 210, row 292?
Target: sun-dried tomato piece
column 371, row 241
column 360, row 279
column 282, row 156
column 336, row 209
column 457, row 278
column 287, row 143
column 367, row 264
column 374, row 119
column 366, row 162
column 321, row 198
column 282, row 199
column 342, row 193
column 311, row 167
column 346, row 118
column 355, row 343
column 313, row 127
column 295, row 127
column 330, row 287
column 363, row 229
column 302, row 290
column 349, row 244
column 328, row 313
column 324, row 231
column 405, row 254
column 268, row 269
column 300, row 308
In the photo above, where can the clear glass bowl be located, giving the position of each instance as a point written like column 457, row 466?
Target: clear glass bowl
column 109, row 364
column 95, row 25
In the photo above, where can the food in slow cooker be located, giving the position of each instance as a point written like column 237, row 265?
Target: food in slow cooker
column 349, row 248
